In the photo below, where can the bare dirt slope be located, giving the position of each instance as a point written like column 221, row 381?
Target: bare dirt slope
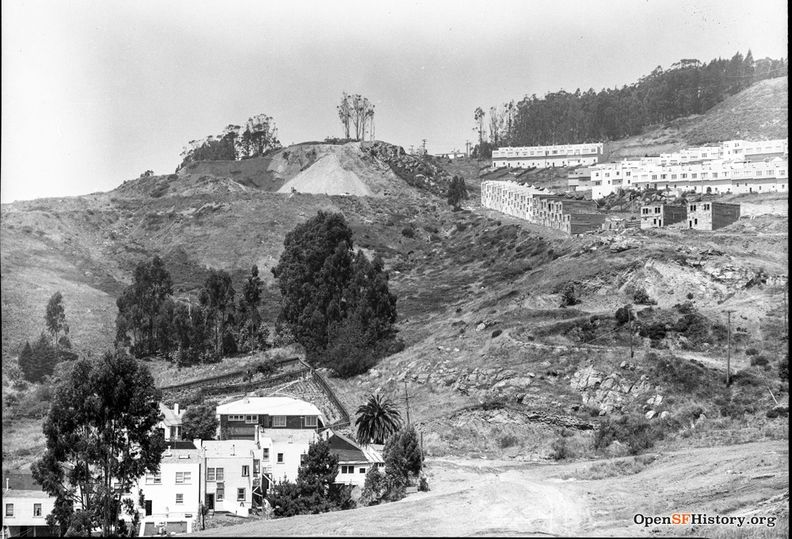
column 759, row 112
column 477, row 497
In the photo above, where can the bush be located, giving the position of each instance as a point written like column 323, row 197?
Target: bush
column 689, row 295
column 760, row 361
column 560, row 451
column 622, row 315
column 408, row 232
column 568, row 296
column 496, row 333
column 634, row 431
column 402, row 454
column 751, row 351
column 685, row 308
column 423, row 484
column 508, row 440
column 641, row 297
column 783, row 369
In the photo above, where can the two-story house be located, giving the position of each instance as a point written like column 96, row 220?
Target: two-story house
column 25, row 507
column 232, row 474
column 354, row 460
column 171, row 423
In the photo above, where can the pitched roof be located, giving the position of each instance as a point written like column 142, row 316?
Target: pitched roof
column 223, row 448
column 170, row 416
column 346, row 449
column 20, row 481
column 269, row 406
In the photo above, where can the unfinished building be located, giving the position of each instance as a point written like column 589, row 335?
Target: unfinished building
column 660, row 215
column 712, row 215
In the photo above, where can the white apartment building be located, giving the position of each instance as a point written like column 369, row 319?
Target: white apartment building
column 566, row 155
column 511, row 198
column 172, row 497
column 232, row 471
column 25, row 507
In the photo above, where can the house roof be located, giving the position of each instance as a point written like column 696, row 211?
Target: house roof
column 223, row 448
column 268, row 406
column 181, row 451
column 346, row 449
column 20, row 481
column 170, row 417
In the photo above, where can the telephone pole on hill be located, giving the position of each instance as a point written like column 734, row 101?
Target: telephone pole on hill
column 630, row 322
column 728, row 349
column 467, row 148
column 423, row 146
column 407, row 400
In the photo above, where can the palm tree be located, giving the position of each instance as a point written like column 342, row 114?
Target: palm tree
column 376, row 420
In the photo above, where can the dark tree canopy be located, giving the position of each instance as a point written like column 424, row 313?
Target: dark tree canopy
column 402, row 454
column 199, row 421
column 139, row 321
column 377, row 420
column 687, row 87
column 457, row 192
column 55, row 318
column 327, row 290
column 101, row 437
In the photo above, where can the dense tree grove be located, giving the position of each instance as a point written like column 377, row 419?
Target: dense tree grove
column 39, row 360
column 101, row 437
column 687, row 87
column 334, row 302
column 259, row 136
column 150, row 322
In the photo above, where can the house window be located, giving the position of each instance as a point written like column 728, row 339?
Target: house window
column 347, row 469
column 183, row 478
column 240, row 495
column 219, row 474
column 266, row 453
column 236, row 418
column 280, row 458
column 220, row 492
column 154, row 479
column 256, row 467
column 179, row 499
column 279, row 421
column 9, row 509
column 245, row 471
column 210, row 474
column 251, row 419
column 311, row 421
column 362, row 470
column 36, row 509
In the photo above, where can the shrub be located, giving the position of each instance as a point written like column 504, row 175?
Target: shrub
column 560, row 451
column 496, row 333
column 622, row 315
column 689, row 295
column 641, row 297
column 402, row 454
column 634, row 431
column 761, row 361
column 685, row 308
column 568, row 296
column 423, row 484
column 783, row 369
column 508, row 440
column 751, row 351
column 408, row 232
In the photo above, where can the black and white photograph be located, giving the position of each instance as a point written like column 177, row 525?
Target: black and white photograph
column 424, row 268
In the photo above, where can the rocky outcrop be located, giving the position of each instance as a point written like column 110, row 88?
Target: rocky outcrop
column 415, row 171
column 611, row 392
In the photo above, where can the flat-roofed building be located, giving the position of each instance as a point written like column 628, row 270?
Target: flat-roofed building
column 25, row 507
column 660, row 215
column 563, row 155
column 710, row 215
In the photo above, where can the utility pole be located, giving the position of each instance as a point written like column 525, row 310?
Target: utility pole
column 467, row 148
column 630, row 322
column 407, row 400
column 728, row 349
column 786, row 327
column 423, row 146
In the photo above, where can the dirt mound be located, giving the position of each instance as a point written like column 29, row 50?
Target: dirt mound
column 327, row 176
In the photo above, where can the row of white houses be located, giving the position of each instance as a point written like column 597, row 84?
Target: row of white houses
column 261, row 440
column 716, row 177
column 566, row 155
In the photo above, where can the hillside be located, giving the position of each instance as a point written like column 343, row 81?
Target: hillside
column 759, row 112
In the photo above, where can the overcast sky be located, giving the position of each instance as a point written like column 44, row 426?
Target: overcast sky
column 96, row 92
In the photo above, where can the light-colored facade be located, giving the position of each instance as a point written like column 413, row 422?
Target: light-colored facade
column 565, row 155
column 25, row 508
column 354, row 460
column 732, row 167
column 171, row 423
column 172, row 497
column 542, row 207
column 710, row 215
column 231, row 471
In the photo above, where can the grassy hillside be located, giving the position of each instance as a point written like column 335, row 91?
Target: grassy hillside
column 493, row 365
column 758, row 113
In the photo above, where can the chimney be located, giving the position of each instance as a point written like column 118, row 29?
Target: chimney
column 168, row 451
column 176, row 408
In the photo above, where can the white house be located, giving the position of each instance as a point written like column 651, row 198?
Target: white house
column 25, row 507
column 232, row 471
column 172, row 497
column 171, row 423
column 354, row 460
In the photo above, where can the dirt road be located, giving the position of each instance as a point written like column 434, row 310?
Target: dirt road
column 478, row 497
